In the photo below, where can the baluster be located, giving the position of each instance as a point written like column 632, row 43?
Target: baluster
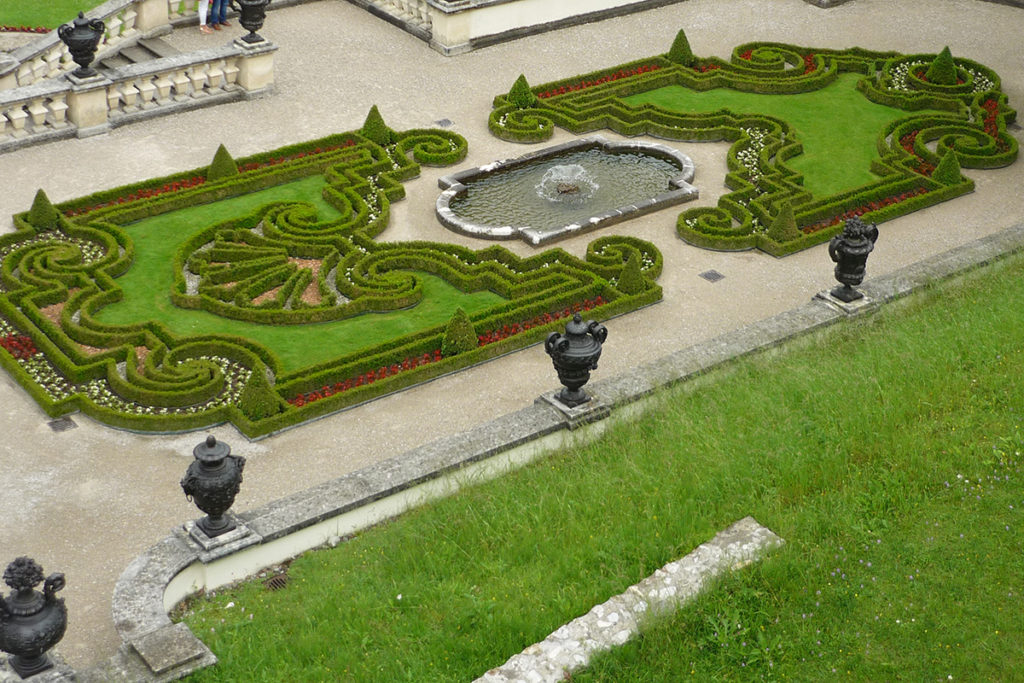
column 199, row 80
column 181, row 84
column 129, row 95
column 113, row 102
column 17, row 116
column 230, row 72
column 147, row 93
column 128, row 20
column 215, row 75
column 37, row 112
column 113, row 29
column 3, row 126
column 163, row 88
column 58, row 111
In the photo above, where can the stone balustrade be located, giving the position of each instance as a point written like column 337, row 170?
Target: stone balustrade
column 69, row 106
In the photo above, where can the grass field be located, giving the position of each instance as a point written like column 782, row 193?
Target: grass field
column 885, row 451
column 47, row 13
column 837, row 125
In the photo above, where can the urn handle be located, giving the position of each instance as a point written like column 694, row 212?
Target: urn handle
column 54, row 582
column 556, row 342
column 598, row 331
column 63, row 30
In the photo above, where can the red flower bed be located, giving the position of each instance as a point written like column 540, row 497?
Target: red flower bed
column 365, row 378
column 809, row 64
column 701, row 68
column 583, row 85
column 23, row 29
column 990, row 123
column 524, row 325
column 747, row 55
column 863, row 209
column 416, row 361
column 907, row 142
column 177, row 185
column 19, row 346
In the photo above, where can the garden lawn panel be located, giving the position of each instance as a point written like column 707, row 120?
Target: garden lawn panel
column 148, row 282
column 47, row 13
column 837, row 126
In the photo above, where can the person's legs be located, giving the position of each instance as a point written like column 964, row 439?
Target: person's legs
column 217, row 11
column 204, row 5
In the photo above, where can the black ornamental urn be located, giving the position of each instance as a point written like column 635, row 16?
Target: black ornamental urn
column 251, row 14
column 850, row 252
column 574, row 354
column 82, row 36
column 212, row 482
column 31, row 622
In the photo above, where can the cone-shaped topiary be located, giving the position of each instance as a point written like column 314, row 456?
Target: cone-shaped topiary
column 459, row 335
column 680, row 52
column 43, row 215
column 520, row 95
column 375, row 130
column 783, row 227
column 258, row 399
column 631, row 279
column 948, row 170
column 223, row 165
column 942, row 70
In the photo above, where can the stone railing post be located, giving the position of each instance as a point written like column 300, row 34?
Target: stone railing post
column 256, row 67
column 152, row 17
column 87, row 104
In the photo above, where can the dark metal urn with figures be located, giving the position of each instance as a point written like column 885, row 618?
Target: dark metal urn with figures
column 31, row 622
column 850, row 252
column 212, row 482
column 82, row 36
column 574, row 355
column 251, row 15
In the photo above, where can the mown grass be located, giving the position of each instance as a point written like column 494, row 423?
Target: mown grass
column 46, row 13
column 147, row 286
column 885, row 451
column 837, row 126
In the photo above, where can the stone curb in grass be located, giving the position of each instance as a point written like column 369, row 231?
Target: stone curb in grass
column 620, row 618
column 155, row 649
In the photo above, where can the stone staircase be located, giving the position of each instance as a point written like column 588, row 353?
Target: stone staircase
column 145, row 50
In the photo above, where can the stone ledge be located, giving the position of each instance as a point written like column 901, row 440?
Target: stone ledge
column 618, row 619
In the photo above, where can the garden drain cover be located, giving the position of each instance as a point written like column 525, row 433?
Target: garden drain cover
column 444, row 123
column 712, row 275
column 62, row 424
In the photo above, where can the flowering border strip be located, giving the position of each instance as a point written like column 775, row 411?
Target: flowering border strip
column 7, row 28
column 55, row 276
column 758, row 177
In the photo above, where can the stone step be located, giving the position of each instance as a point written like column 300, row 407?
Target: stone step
column 145, row 50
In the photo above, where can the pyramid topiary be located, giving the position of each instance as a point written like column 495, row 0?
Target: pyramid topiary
column 942, row 70
column 520, row 95
column 258, row 399
column 783, row 227
column 948, row 170
column 223, row 165
column 680, row 52
column 631, row 280
column 459, row 335
column 43, row 215
column 375, row 130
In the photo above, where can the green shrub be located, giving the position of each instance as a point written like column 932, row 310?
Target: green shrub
column 459, row 335
column 632, row 280
column 680, row 52
column 948, row 170
column 43, row 215
column 942, row 70
column 520, row 96
column 258, row 400
column 375, row 130
column 783, row 227
column 223, row 165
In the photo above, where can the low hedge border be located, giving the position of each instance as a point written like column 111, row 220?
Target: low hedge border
column 55, row 278
column 760, row 180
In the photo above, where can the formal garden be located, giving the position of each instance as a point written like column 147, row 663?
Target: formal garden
column 254, row 290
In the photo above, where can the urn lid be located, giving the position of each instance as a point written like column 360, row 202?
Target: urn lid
column 576, row 326
column 211, row 451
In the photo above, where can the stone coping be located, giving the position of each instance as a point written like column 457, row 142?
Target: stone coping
column 178, row 565
column 453, row 186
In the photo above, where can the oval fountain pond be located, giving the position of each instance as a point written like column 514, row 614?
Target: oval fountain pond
column 564, row 190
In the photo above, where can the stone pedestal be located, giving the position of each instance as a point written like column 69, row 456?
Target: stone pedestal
column 8, row 71
column 151, row 18
column 256, row 67
column 87, row 104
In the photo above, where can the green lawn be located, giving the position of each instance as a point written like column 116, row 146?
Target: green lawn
column 148, row 282
column 885, row 451
column 837, row 125
column 48, row 13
